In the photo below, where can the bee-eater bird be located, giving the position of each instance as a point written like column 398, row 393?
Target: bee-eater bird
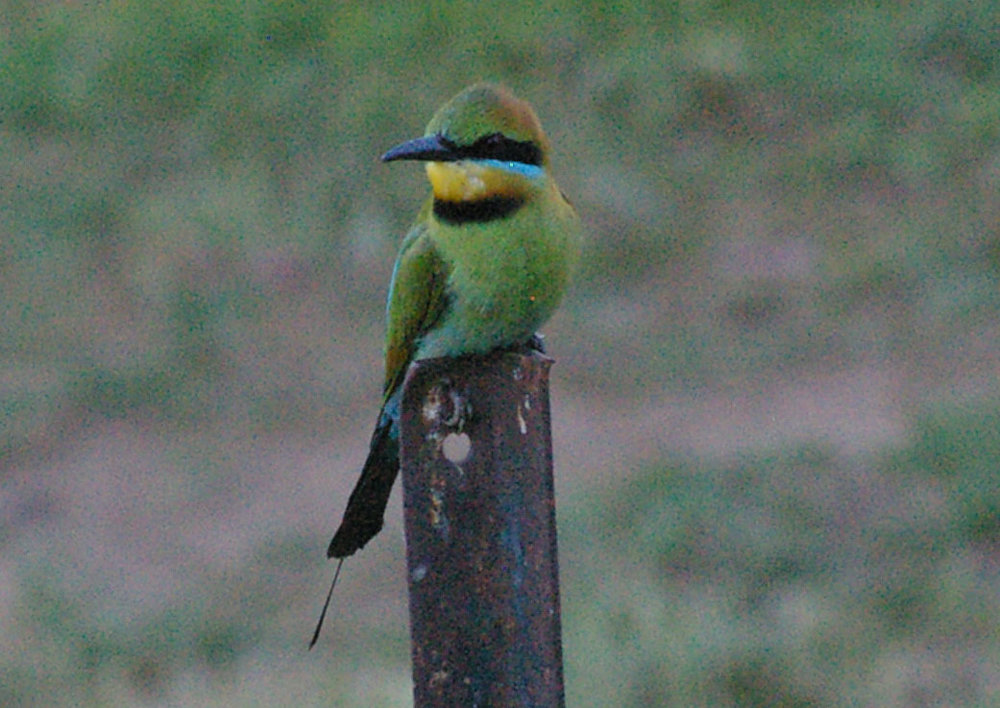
column 484, row 265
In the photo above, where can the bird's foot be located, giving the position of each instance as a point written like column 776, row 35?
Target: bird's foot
column 533, row 344
column 536, row 342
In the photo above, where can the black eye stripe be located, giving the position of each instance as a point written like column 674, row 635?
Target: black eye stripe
column 498, row 146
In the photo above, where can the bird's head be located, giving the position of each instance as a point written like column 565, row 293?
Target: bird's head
column 483, row 144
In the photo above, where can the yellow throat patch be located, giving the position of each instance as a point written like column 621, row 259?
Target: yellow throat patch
column 468, row 181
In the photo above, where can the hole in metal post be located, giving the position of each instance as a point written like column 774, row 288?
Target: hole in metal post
column 456, row 447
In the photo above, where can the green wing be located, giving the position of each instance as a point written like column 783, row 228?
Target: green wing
column 417, row 298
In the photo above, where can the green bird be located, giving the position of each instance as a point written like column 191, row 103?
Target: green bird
column 485, row 265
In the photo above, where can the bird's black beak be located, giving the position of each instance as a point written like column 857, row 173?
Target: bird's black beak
column 431, row 148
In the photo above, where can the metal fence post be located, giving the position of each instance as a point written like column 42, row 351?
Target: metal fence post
column 476, row 454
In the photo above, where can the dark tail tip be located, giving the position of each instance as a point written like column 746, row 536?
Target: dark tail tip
column 353, row 534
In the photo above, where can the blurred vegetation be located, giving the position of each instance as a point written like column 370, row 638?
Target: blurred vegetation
column 197, row 238
column 799, row 578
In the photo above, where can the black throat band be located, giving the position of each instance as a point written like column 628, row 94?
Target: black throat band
column 479, row 211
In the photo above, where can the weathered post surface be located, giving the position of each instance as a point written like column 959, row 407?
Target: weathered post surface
column 476, row 455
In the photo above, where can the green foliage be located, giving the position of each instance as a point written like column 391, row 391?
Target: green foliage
column 958, row 450
column 799, row 578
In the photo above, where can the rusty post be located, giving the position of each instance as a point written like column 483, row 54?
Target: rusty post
column 479, row 508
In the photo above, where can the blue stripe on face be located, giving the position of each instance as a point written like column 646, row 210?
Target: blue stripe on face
column 520, row 168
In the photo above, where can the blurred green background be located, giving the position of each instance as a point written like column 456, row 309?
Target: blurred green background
column 777, row 420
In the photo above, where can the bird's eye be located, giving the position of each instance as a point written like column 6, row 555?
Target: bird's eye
column 491, row 145
column 498, row 146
